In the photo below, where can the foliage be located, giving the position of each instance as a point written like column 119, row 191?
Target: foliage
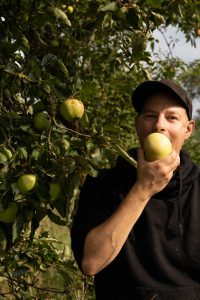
column 42, row 270
column 190, row 79
column 97, row 53
column 192, row 144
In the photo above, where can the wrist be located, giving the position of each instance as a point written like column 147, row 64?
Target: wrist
column 143, row 194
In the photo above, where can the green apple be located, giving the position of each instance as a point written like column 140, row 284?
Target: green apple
column 42, row 121
column 157, row 146
column 70, row 9
column 54, row 191
column 9, row 214
column 26, row 183
column 71, row 109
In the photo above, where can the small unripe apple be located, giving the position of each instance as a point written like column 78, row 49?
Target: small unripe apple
column 42, row 121
column 70, row 9
column 157, row 146
column 71, row 109
column 26, row 183
column 9, row 214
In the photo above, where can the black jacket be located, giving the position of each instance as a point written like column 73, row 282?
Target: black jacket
column 161, row 258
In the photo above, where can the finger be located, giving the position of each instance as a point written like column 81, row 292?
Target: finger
column 174, row 158
column 140, row 156
column 171, row 162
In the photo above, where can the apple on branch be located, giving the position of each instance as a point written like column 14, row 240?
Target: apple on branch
column 71, row 109
column 42, row 121
column 9, row 214
column 26, row 183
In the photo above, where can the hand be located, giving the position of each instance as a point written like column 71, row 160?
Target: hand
column 154, row 176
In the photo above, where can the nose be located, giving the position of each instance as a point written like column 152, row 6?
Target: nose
column 160, row 124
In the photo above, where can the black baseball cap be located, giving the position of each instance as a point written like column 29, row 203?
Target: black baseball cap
column 150, row 87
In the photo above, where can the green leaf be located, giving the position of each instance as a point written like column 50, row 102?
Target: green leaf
column 107, row 21
column 159, row 19
column 46, row 86
column 25, row 44
column 3, row 158
column 87, row 165
column 35, row 154
column 109, row 7
column 63, row 68
column 60, row 15
column 48, row 58
column 22, row 152
column 154, row 3
column 72, row 195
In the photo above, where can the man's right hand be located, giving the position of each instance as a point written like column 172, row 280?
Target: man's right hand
column 154, row 176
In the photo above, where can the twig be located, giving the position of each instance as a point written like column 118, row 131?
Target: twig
column 70, row 130
column 126, row 156
column 37, row 287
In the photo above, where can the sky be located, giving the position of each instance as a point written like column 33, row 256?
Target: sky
column 182, row 49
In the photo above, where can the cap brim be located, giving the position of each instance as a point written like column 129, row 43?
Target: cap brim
column 146, row 89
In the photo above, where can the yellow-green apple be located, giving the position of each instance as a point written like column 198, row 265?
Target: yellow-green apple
column 157, row 146
column 71, row 109
column 42, row 121
column 26, row 183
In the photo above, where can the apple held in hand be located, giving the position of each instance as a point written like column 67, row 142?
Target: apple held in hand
column 71, row 109
column 26, row 183
column 157, row 146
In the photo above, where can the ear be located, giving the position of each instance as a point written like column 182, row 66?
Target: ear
column 190, row 128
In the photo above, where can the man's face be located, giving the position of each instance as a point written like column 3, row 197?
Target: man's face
column 163, row 114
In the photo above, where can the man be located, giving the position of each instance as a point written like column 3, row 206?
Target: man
column 138, row 230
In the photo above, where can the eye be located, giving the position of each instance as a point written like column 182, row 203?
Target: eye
column 172, row 117
column 149, row 116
